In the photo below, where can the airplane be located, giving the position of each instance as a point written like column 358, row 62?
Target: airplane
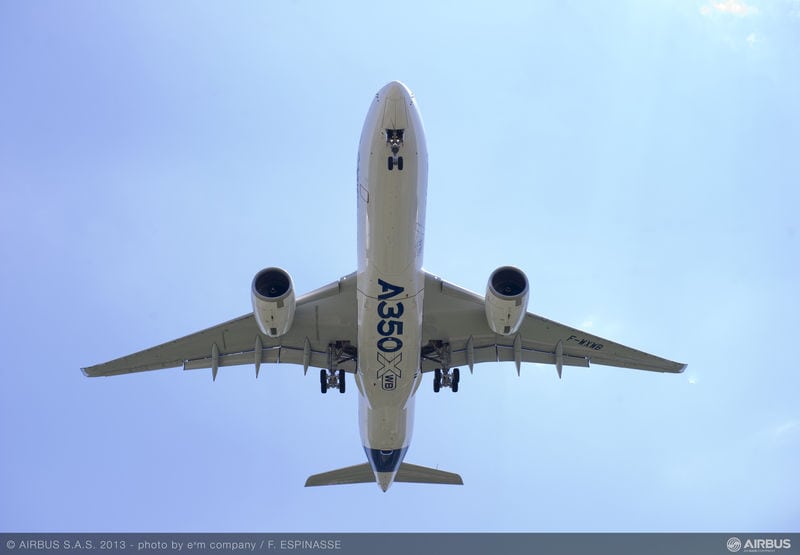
column 390, row 322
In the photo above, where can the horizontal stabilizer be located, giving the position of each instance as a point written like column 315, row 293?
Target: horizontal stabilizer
column 424, row 475
column 363, row 474
column 358, row 474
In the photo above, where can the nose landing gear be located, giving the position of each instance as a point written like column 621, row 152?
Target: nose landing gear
column 395, row 161
column 394, row 139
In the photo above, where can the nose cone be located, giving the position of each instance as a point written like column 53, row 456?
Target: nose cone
column 395, row 91
column 393, row 108
column 395, row 101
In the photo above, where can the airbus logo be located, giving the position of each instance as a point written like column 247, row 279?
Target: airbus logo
column 758, row 545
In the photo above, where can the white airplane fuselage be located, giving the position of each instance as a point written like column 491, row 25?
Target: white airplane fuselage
column 391, row 189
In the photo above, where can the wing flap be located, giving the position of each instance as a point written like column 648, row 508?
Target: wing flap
column 500, row 352
column 279, row 354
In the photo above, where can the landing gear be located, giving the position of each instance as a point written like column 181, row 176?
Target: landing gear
column 340, row 353
column 443, row 378
column 394, row 140
column 331, row 379
column 438, row 352
column 392, row 161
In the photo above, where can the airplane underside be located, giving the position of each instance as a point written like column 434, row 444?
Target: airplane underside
column 388, row 323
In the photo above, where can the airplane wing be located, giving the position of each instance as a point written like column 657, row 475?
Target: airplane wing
column 323, row 317
column 454, row 327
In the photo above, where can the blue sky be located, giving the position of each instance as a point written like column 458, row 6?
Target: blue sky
column 638, row 160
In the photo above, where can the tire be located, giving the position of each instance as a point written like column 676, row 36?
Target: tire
column 390, row 163
column 456, row 379
column 341, row 381
column 323, row 381
column 400, row 163
column 437, row 380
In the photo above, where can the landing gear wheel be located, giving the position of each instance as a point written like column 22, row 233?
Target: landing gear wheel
column 437, row 380
column 323, row 381
column 400, row 163
column 390, row 163
column 456, row 379
column 341, row 381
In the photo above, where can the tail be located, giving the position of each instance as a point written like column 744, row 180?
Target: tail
column 414, row 474
column 363, row 474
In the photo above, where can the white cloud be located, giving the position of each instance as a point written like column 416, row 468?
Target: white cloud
column 732, row 7
column 786, row 429
column 751, row 39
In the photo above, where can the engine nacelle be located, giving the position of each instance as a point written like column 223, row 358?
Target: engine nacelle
column 273, row 301
column 506, row 300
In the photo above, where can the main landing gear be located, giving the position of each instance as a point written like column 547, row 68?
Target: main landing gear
column 339, row 352
column 438, row 352
column 331, row 379
column 444, row 378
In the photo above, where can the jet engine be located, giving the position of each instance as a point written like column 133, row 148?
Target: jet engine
column 506, row 300
column 273, row 301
